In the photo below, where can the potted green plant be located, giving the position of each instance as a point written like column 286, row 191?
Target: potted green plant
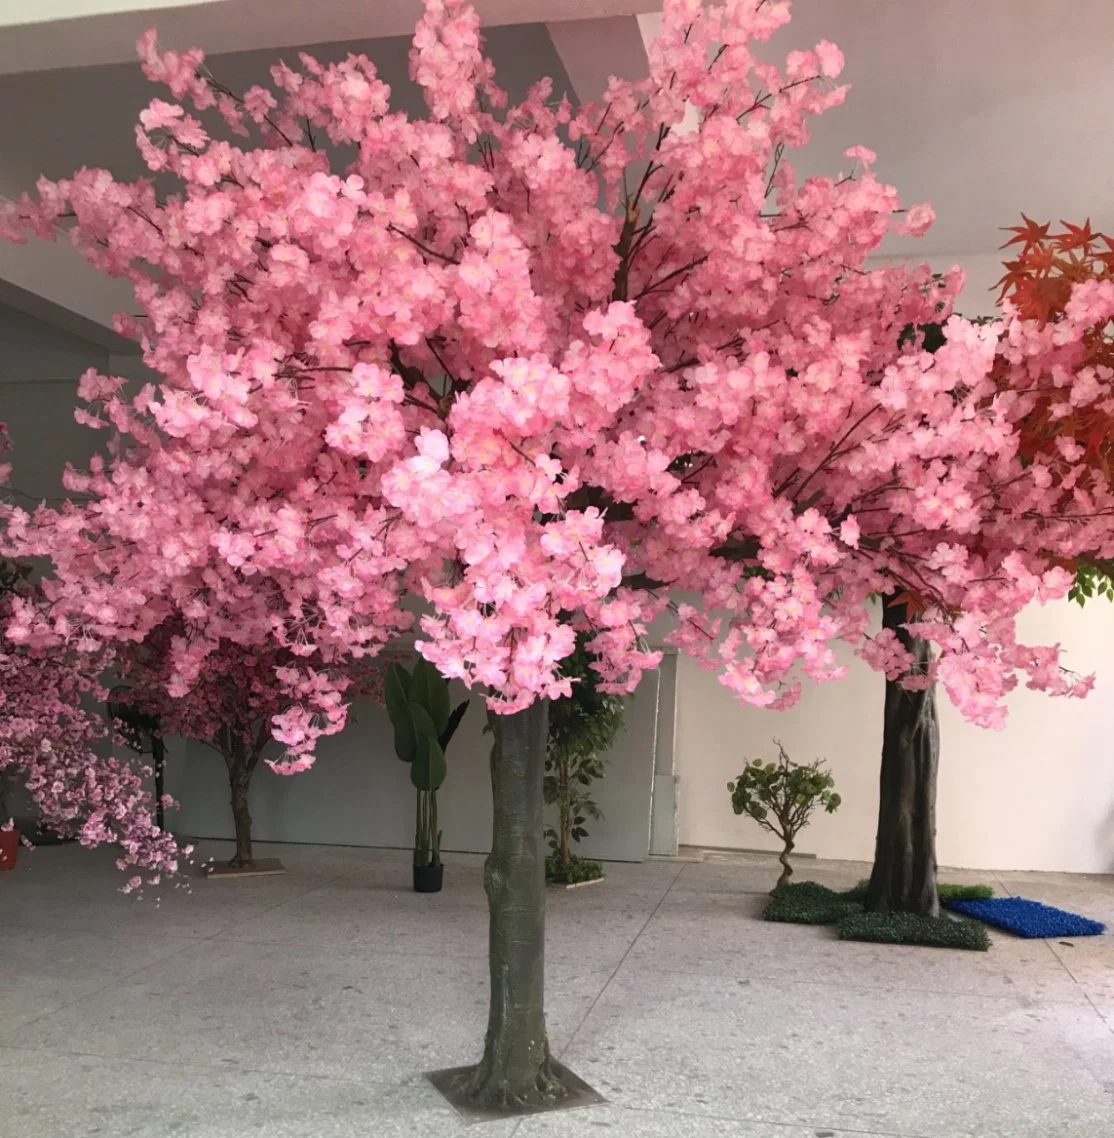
column 582, row 728
column 781, row 796
column 419, row 707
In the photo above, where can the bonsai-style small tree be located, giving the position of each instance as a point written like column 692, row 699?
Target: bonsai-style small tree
column 781, row 796
column 418, row 704
column 582, row 728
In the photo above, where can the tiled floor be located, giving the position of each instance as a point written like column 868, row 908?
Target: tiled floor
column 309, row 1005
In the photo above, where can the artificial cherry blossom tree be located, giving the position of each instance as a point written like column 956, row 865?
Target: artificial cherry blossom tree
column 1057, row 293
column 58, row 750
column 550, row 371
column 229, row 708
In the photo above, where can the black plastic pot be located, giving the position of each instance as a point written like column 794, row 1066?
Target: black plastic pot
column 428, row 878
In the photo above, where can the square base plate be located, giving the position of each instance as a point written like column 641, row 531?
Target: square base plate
column 263, row 867
column 579, row 1094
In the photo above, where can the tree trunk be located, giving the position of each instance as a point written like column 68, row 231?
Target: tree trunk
column 158, row 757
column 241, row 766
column 566, row 813
column 904, row 874
column 786, row 867
column 515, row 1070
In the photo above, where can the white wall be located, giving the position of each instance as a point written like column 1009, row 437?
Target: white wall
column 945, row 94
column 39, row 369
column 1037, row 795
column 359, row 793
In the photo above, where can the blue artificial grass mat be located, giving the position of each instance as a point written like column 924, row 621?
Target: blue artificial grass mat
column 1027, row 918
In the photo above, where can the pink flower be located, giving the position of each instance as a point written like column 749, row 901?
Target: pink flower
column 448, row 365
column 917, row 221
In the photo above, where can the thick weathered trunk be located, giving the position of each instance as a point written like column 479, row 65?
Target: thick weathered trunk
column 786, row 865
column 241, row 766
column 516, row 1069
column 904, row 874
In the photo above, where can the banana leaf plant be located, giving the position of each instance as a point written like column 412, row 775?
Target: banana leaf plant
column 424, row 723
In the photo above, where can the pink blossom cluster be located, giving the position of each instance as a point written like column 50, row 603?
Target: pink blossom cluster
column 545, row 371
column 238, row 698
column 57, row 748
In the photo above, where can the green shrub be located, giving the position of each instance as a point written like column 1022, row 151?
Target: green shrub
column 909, row 928
column 575, row 871
column 809, row 903
column 781, row 796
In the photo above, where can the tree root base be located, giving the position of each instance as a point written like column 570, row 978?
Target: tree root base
column 478, row 1098
column 259, row 867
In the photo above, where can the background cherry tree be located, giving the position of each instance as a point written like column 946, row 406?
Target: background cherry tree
column 231, row 707
column 58, row 750
column 545, row 370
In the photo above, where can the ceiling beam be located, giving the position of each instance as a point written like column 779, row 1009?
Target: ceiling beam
column 594, row 50
column 107, row 35
column 50, row 280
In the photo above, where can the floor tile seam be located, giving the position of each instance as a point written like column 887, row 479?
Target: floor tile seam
column 407, row 951
column 778, row 981
column 376, row 950
column 1064, row 962
column 838, row 1128
column 114, row 982
column 615, row 971
column 417, row 1082
column 268, row 909
column 1108, row 1021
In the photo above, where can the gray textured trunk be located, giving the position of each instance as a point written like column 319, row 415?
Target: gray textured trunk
column 904, row 874
column 241, row 766
column 516, row 1070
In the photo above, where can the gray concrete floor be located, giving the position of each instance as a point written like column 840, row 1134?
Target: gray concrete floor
column 308, row 1006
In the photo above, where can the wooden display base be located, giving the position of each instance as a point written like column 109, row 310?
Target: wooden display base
column 579, row 1094
column 263, row 867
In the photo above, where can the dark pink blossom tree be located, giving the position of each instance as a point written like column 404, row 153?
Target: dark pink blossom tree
column 229, row 708
column 547, row 389
column 54, row 745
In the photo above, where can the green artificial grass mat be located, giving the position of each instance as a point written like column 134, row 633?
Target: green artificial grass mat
column 947, row 892
column 964, row 893
column 810, row 903
column 909, row 928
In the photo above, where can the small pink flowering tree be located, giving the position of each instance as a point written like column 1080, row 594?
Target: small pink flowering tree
column 549, row 389
column 56, row 748
column 230, row 708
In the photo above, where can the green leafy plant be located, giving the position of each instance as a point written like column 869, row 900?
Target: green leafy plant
column 1092, row 579
column 576, row 872
column 582, row 728
column 781, row 797
column 419, row 707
